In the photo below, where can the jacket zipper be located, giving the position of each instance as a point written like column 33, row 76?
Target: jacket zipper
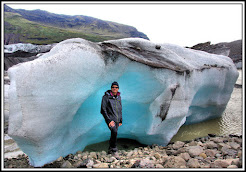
column 116, row 110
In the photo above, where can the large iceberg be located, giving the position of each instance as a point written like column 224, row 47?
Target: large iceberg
column 55, row 99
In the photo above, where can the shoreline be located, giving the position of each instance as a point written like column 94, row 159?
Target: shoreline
column 211, row 151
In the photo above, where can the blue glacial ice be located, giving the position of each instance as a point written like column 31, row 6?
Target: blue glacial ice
column 55, row 99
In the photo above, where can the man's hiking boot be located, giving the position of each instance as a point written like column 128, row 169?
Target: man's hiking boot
column 116, row 155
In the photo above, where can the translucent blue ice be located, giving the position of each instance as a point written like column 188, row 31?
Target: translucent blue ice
column 55, row 100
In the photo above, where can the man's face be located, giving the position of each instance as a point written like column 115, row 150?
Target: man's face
column 114, row 88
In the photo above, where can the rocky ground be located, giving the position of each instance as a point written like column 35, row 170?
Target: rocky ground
column 206, row 152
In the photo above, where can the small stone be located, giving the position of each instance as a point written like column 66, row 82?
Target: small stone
column 164, row 158
column 96, row 166
column 152, row 158
column 221, row 163
column 138, row 48
column 178, row 144
column 97, row 162
column 146, row 153
column 192, row 143
column 146, row 163
column 210, row 152
column 111, row 159
column 129, row 154
column 211, row 135
column 238, row 140
column 66, row 164
column 230, row 152
column 157, row 155
column 103, row 153
column 60, row 158
column 78, row 163
column 76, row 157
column 223, row 145
column 89, row 163
column 158, row 166
column 203, row 155
column 157, row 47
column 174, row 162
column 208, row 159
column 235, row 162
column 193, row 163
column 85, row 153
column 206, row 166
column 239, row 154
column 200, row 144
column 210, row 145
column 199, row 158
column 79, row 152
column 79, row 156
column 102, row 165
column 93, row 155
column 185, row 156
column 234, row 145
column 84, row 157
column 218, row 155
column 232, row 166
column 195, row 150
column 217, row 139
column 181, row 150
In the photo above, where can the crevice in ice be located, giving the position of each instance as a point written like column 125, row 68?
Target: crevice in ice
column 164, row 108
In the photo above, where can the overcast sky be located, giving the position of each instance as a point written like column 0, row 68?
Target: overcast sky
column 184, row 24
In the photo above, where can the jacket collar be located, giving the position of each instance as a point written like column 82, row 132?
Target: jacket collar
column 118, row 93
column 109, row 92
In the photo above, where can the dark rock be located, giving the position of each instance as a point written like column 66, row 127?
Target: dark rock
column 233, row 135
column 231, row 49
column 211, row 135
column 136, row 164
column 85, row 163
column 157, row 47
column 69, row 156
column 227, row 151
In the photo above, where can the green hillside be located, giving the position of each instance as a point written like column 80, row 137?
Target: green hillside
column 42, row 27
column 35, row 33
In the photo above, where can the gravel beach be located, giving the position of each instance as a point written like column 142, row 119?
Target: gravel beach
column 207, row 152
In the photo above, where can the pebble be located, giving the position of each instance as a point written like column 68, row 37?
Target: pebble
column 207, row 152
column 66, row 164
column 193, row 163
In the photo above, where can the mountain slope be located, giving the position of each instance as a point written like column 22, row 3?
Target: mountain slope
column 42, row 27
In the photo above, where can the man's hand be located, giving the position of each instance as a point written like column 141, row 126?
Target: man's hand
column 111, row 124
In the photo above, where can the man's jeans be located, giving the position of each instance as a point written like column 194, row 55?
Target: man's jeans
column 113, row 138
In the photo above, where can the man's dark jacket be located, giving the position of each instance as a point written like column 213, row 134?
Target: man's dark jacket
column 111, row 107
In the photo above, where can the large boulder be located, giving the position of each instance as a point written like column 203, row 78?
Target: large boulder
column 55, row 99
column 231, row 49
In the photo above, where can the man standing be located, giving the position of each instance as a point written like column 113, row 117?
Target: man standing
column 111, row 109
